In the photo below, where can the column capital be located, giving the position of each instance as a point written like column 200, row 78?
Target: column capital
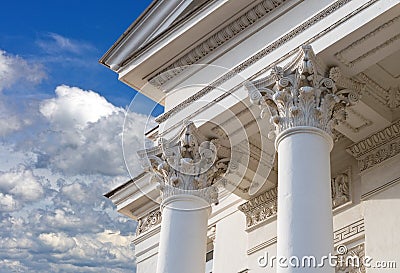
column 303, row 93
column 188, row 164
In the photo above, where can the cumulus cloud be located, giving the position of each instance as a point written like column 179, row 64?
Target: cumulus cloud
column 7, row 203
column 86, row 134
column 73, row 107
column 58, row 242
column 18, row 187
column 53, row 215
column 14, row 69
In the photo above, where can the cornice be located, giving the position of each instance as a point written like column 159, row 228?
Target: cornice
column 377, row 147
column 215, row 41
column 272, row 47
column 342, row 53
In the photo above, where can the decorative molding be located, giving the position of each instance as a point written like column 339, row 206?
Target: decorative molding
column 349, row 232
column 218, row 39
column 300, row 95
column 379, row 93
column 354, row 254
column 212, row 233
column 380, row 189
column 394, row 98
column 341, row 189
column 374, row 50
column 341, row 54
column 260, row 208
column 387, row 97
column 269, row 49
column 189, row 163
column 148, row 222
column 262, row 246
column 366, row 122
column 377, row 147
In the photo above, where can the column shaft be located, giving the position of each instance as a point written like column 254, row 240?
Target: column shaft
column 304, row 198
column 183, row 238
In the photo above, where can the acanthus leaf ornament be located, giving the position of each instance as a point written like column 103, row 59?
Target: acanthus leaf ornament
column 300, row 95
column 187, row 164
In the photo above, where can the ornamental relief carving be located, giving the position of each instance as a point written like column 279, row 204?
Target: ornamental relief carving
column 377, row 147
column 260, row 208
column 300, row 94
column 149, row 221
column 349, row 232
column 264, row 207
column 352, row 261
column 340, row 188
column 188, row 164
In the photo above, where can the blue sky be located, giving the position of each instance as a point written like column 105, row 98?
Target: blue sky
column 61, row 124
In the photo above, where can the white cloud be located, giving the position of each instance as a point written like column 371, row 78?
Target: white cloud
column 86, row 134
column 7, row 203
column 53, row 43
column 9, row 124
column 14, row 69
column 21, row 184
column 59, row 242
column 53, row 215
column 73, row 107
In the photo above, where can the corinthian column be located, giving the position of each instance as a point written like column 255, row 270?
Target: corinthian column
column 304, row 105
column 188, row 169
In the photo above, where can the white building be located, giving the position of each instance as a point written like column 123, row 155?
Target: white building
column 326, row 74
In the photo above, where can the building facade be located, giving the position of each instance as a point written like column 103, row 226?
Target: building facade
column 280, row 139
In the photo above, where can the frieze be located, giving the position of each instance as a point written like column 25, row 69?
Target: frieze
column 352, row 261
column 350, row 231
column 260, row 208
column 340, row 185
column 149, row 221
column 263, row 207
column 377, row 147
